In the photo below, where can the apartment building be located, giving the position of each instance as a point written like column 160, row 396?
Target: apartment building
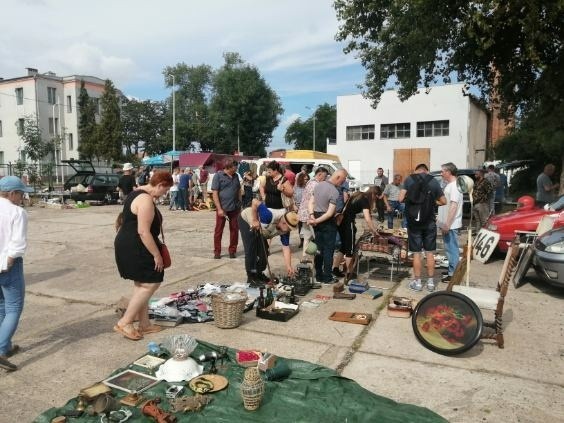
column 53, row 99
column 435, row 126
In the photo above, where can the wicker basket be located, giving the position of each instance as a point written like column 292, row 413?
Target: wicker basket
column 228, row 313
column 252, row 389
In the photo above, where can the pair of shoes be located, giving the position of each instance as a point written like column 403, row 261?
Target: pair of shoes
column 446, row 278
column 415, row 285
column 217, row 256
column 337, row 272
column 14, row 350
column 330, row 281
column 150, row 329
column 6, row 365
column 128, row 331
column 232, row 255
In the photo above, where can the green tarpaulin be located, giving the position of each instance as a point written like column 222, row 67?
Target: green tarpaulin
column 312, row 393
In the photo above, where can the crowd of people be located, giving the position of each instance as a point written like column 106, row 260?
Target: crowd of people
column 262, row 205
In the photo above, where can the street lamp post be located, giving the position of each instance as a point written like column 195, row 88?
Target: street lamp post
column 173, row 119
column 314, row 118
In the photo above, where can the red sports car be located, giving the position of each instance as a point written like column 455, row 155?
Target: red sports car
column 525, row 218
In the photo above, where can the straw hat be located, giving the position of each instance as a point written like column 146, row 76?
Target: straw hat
column 291, row 219
column 127, row 166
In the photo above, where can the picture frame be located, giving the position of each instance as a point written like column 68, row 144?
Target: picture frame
column 447, row 323
column 131, row 381
column 149, row 361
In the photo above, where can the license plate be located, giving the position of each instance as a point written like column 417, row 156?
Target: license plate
column 484, row 244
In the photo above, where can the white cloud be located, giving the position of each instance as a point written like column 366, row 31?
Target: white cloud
column 288, row 120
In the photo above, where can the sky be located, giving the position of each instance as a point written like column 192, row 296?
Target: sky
column 291, row 42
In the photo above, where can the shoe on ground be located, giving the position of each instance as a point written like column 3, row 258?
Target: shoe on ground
column 232, row 255
column 254, row 282
column 415, row 285
column 446, row 278
column 13, row 351
column 262, row 277
column 430, row 287
column 337, row 272
column 217, row 256
column 6, row 365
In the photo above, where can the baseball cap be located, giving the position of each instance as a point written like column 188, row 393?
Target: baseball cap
column 13, row 183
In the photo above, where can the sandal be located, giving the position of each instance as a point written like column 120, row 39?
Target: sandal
column 150, row 329
column 128, row 331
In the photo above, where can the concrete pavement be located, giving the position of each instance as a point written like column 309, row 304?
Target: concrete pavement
column 72, row 286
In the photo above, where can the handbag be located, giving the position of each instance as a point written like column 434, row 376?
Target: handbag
column 165, row 254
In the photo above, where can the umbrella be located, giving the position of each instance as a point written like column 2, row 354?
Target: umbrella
column 153, row 160
column 172, row 155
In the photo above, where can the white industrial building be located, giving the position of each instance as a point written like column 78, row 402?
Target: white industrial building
column 53, row 100
column 435, row 126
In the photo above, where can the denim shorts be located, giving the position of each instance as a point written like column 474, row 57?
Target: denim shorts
column 422, row 237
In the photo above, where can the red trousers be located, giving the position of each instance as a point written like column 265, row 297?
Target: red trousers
column 233, row 231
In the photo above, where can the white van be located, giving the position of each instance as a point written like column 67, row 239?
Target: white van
column 295, row 159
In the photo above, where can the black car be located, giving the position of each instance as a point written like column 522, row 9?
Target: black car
column 100, row 187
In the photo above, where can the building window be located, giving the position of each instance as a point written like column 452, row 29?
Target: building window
column 0, row 128
column 358, row 133
column 20, row 126
column 437, row 128
column 19, row 96
column 395, row 130
column 53, row 130
column 69, row 104
column 51, row 95
column 71, row 143
column 1, row 157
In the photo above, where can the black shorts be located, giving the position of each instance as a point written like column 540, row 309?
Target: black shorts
column 347, row 232
column 422, row 238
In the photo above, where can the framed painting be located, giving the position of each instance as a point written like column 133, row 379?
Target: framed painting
column 447, row 323
column 131, row 381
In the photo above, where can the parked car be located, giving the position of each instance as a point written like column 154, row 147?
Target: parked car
column 98, row 186
column 548, row 260
column 525, row 218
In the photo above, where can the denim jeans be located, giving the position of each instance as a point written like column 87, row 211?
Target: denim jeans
column 396, row 205
column 173, row 200
column 450, row 240
column 325, row 237
column 12, row 292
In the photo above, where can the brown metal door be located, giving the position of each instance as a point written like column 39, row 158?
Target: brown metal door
column 405, row 159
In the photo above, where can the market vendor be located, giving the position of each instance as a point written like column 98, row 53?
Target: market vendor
column 257, row 224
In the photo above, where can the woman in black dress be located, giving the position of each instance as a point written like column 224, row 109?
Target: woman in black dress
column 138, row 255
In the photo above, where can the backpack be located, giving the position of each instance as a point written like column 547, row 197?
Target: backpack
column 419, row 201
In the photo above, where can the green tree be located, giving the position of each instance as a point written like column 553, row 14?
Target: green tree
column 191, row 97
column 300, row 133
column 109, row 132
column 143, row 125
column 512, row 52
column 87, row 147
column 34, row 146
column 243, row 107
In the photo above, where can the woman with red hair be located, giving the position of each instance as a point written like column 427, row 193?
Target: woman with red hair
column 138, row 254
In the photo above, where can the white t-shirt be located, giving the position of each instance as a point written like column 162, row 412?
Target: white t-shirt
column 451, row 194
column 13, row 232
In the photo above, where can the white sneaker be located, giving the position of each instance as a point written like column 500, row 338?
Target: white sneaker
column 430, row 285
column 415, row 285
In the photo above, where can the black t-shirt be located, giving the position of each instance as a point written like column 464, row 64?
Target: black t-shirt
column 126, row 184
column 356, row 205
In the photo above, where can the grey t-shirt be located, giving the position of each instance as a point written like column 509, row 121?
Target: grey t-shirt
column 324, row 193
column 228, row 189
column 393, row 191
column 542, row 195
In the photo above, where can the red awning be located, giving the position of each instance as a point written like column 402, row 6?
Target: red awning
column 194, row 159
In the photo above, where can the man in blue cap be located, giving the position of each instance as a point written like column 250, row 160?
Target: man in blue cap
column 13, row 234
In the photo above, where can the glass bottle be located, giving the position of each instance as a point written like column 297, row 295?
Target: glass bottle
column 261, row 300
column 269, row 296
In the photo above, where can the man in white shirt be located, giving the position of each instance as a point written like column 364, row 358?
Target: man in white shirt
column 449, row 220
column 13, row 233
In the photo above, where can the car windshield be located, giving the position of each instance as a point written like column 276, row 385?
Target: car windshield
column 340, row 166
column 558, row 204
